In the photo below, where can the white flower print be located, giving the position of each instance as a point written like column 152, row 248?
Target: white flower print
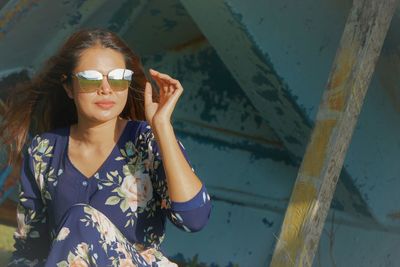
column 103, row 225
column 64, row 232
column 78, row 262
column 148, row 255
column 136, row 190
column 82, row 249
column 23, row 228
column 78, row 259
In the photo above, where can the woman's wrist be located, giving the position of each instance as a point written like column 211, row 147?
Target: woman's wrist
column 160, row 126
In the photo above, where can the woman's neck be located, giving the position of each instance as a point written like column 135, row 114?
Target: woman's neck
column 90, row 134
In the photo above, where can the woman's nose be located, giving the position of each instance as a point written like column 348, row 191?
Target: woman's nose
column 105, row 86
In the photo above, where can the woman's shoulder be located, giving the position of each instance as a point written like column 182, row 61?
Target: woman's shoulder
column 49, row 138
column 52, row 135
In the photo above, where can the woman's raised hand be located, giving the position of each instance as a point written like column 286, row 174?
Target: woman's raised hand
column 170, row 91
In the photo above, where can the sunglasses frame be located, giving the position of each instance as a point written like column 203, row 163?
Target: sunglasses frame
column 80, row 78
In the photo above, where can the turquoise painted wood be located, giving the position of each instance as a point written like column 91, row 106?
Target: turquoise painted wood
column 253, row 75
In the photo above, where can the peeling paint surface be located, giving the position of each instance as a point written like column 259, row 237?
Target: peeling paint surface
column 13, row 13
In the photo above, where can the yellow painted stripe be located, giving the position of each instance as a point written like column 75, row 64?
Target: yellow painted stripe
column 292, row 241
column 315, row 155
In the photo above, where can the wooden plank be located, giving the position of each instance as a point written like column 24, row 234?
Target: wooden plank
column 347, row 85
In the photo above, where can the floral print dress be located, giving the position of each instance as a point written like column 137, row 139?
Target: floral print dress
column 116, row 217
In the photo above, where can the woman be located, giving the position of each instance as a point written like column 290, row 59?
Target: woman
column 104, row 168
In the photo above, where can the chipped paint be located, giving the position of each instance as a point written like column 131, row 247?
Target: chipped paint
column 155, row 11
column 394, row 216
column 258, row 152
column 169, row 24
column 292, row 140
column 194, row 44
column 277, row 84
column 119, row 17
column 12, row 15
column 267, row 222
column 180, row 259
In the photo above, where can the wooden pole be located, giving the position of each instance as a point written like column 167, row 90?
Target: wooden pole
column 347, row 85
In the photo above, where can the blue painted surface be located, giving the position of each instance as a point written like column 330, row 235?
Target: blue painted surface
column 253, row 77
column 118, row 18
column 302, row 49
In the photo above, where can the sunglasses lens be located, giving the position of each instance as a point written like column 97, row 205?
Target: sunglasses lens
column 89, row 80
column 119, row 79
column 89, row 85
column 119, row 85
column 90, row 75
column 120, row 74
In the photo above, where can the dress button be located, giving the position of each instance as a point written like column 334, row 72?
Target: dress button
column 84, row 183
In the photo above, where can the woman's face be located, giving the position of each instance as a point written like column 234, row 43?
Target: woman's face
column 93, row 106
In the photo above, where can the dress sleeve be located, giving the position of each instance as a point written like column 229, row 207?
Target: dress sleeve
column 191, row 215
column 32, row 239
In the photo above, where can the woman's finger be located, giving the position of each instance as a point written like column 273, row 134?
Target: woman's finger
column 171, row 86
column 148, row 94
column 163, row 86
column 164, row 77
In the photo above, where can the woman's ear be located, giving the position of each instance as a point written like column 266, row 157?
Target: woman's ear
column 68, row 91
column 67, row 88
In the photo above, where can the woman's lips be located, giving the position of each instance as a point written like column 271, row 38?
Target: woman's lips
column 105, row 104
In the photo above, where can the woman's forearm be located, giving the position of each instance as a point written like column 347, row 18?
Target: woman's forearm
column 183, row 183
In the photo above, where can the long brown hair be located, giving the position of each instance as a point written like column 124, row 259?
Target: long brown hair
column 42, row 104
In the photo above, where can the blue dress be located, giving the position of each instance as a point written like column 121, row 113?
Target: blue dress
column 116, row 217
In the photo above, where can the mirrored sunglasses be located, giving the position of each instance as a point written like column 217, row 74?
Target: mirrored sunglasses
column 90, row 80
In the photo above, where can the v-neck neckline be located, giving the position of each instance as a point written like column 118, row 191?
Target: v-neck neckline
column 117, row 144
